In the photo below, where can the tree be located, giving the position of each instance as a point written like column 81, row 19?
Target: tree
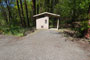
column 4, row 13
column 28, row 22
column 34, row 6
column 22, row 14
column 19, row 11
column 9, row 11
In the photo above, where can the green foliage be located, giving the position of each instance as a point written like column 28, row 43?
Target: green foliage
column 84, row 25
column 13, row 30
column 82, row 29
column 63, row 8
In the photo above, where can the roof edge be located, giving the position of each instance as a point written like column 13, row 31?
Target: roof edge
column 47, row 13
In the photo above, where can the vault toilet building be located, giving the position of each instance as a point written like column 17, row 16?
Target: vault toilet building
column 42, row 20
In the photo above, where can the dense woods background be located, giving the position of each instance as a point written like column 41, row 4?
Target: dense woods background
column 17, row 15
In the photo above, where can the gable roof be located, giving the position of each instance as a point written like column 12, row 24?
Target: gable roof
column 47, row 13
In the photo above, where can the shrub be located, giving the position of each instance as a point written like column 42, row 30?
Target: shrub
column 81, row 31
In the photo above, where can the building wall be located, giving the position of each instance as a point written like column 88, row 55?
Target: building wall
column 41, row 23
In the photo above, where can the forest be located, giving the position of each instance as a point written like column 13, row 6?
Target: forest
column 16, row 16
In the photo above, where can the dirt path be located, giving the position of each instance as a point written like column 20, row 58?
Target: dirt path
column 41, row 45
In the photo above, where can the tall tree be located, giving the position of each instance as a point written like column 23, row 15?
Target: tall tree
column 4, row 13
column 34, row 6
column 9, row 11
column 28, row 22
column 22, row 14
column 19, row 11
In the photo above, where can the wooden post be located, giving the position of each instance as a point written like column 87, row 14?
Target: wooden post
column 58, row 24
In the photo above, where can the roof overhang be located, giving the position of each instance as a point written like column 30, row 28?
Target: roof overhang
column 47, row 14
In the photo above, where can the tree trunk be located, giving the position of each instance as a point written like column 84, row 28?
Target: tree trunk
column 38, row 9
column 23, row 18
column 19, row 12
column 73, row 13
column 34, row 7
column 5, row 17
column 9, row 12
column 28, row 22
column 4, row 14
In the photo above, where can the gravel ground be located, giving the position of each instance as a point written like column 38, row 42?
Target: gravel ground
column 41, row 45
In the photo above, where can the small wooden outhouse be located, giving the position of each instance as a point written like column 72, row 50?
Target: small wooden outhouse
column 42, row 20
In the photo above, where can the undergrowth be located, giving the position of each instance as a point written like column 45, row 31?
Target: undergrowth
column 12, row 30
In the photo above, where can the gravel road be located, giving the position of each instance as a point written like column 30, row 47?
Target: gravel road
column 41, row 45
